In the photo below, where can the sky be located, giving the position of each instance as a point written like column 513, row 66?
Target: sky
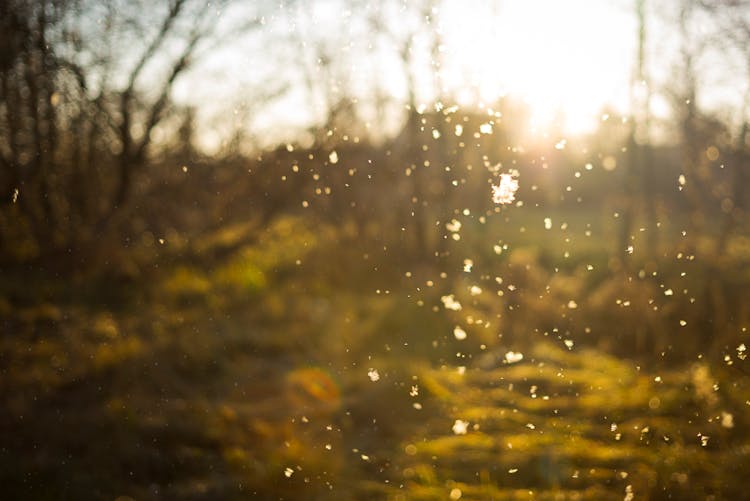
column 567, row 61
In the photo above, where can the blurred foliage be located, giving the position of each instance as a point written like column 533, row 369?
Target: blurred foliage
column 576, row 424
column 247, row 376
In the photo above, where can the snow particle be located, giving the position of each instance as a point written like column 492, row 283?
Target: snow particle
column 505, row 192
column 450, row 303
column 727, row 420
column 459, row 333
column 512, row 357
column 460, row 427
column 629, row 496
column 454, row 226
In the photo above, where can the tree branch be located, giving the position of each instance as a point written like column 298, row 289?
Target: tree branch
column 172, row 15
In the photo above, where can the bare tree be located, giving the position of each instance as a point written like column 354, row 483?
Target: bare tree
column 733, row 36
column 639, row 176
column 84, row 86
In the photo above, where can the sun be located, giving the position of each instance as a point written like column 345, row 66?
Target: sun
column 566, row 60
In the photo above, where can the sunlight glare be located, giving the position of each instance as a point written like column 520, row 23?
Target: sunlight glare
column 565, row 60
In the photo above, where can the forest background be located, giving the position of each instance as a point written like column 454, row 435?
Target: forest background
column 249, row 249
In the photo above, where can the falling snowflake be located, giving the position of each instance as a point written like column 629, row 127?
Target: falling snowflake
column 453, row 226
column 512, row 357
column 450, row 302
column 373, row 375
column 460, row 427
column 459, row 333
column 505, row 192
column 629, row 496
column 727, row 420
